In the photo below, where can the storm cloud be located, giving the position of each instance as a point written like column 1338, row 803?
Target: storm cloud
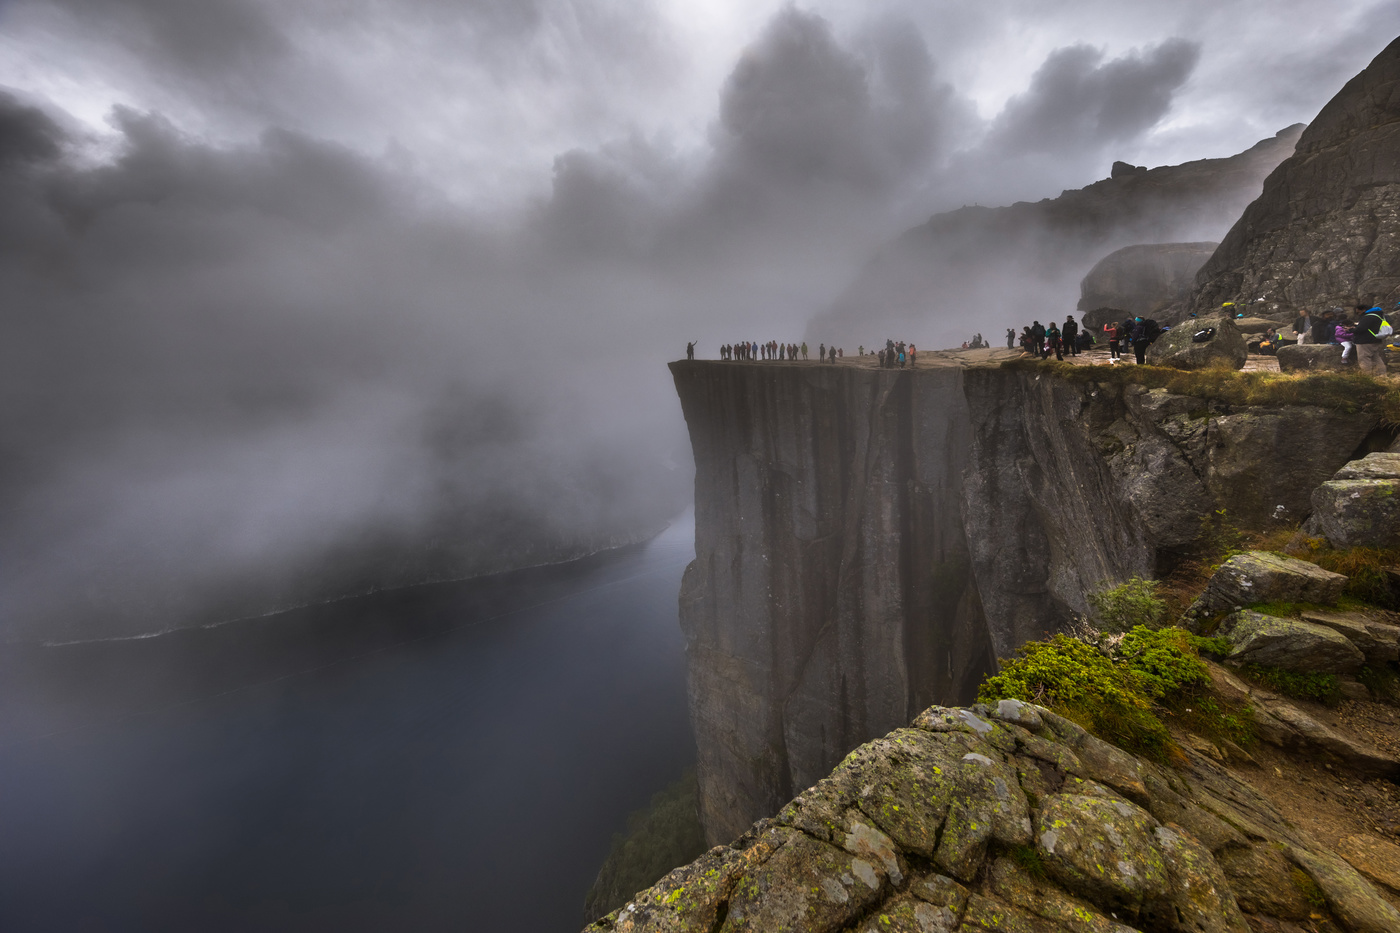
column 303, row 300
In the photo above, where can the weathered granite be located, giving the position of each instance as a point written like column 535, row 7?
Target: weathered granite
column 1262, row 577
column 1290, row 644
column 1360, row 505
column 1310, row 357
column 1177, row 349
column 1059, row 851
column 1326, row 229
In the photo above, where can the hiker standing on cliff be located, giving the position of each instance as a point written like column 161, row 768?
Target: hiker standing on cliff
column 1010, row 339
column 1141, row 340
column 1053, row 341
column 1070, row 335
column 1038, row 338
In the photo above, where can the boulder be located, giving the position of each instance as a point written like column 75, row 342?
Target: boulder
column 1176, row 348
column 1262, row 577
column 1142, row 279
column 1360, row 505
column 1310, row 357
column 1290, row 644
column 1102, row 849
column 1254, row 325
column 1354, row 902
column 1379, row 641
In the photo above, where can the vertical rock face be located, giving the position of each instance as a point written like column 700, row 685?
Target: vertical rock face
column 1326, row 230
column 830, row 598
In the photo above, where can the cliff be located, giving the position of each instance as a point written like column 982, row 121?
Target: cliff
column 1142, row 280
column 830, row 599
column 867, row 540
column 937, row 280
column 1326, row 230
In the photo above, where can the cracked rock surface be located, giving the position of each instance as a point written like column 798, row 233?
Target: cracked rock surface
column 1010, row 819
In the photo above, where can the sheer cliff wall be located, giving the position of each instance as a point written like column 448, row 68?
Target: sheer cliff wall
column 868, row 541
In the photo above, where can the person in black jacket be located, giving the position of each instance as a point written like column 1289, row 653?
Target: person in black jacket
column 1038, row 339
column 1070, row 334
column 1370, row 345
column 1141, row 340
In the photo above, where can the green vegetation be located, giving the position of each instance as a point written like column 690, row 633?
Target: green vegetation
column 1112, row 696
column 1383, row 682
column 1348, row 392
column 1208, row 717
column 1365, row 568
column 1128, row 605
column 663, row 835
column 1309, row 889
column 1028, row 857
column 1309, row 685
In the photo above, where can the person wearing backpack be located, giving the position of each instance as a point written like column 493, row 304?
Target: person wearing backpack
column 1141, row 340
column 1369, row 338
column 1053, row 341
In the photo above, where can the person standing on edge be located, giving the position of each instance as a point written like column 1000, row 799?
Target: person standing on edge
column 690, row 350
column 1070, row 335
column 1010, row 339
column 1053, row 341
column 1038, row 338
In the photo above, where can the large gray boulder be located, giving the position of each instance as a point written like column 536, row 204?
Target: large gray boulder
column 1326, row 229
column 1177, row 349
column 1142, row 280
column 1263, row 577
column 1311, row 357
column 1290, row 644
column 1360, row 505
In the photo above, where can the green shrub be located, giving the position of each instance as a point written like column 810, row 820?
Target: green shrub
column 1213, row 720
column 1216, row 647
column 1083, row 684
column 1128, row 605
column 1164, row 659
column 1308, row 685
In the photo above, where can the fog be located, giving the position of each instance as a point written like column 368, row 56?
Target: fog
column 303, row 299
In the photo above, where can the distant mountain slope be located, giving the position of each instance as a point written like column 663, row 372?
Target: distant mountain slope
column 982, row 268
column 1326, row 230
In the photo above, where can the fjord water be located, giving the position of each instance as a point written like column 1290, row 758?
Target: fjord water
column 452, row 756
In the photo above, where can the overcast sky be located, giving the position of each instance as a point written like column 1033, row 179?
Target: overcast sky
column 280, row 274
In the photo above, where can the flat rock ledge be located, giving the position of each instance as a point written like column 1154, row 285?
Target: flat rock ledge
column 1010, row 818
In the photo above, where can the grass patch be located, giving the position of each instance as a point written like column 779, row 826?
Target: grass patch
column 1128, row 605
column 1347, row 392
column 1309, row 685
column 1028, row 857
column 1114, row 697
column 1365, row 569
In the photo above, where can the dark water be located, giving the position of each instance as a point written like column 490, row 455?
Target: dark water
column 453, row 756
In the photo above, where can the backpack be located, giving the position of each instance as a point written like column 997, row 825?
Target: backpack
column 1201, row 336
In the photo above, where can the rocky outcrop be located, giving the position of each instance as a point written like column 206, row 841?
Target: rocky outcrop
column 938, row 280
column 1326, row 230
column 867, row 541
column 1256, row 577
column 1144, row 279
column 1290, row 644
column 1179, row 349
column 1360, row 505
column 1010, row 818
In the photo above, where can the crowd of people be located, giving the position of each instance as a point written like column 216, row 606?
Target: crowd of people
column 1362, row 336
